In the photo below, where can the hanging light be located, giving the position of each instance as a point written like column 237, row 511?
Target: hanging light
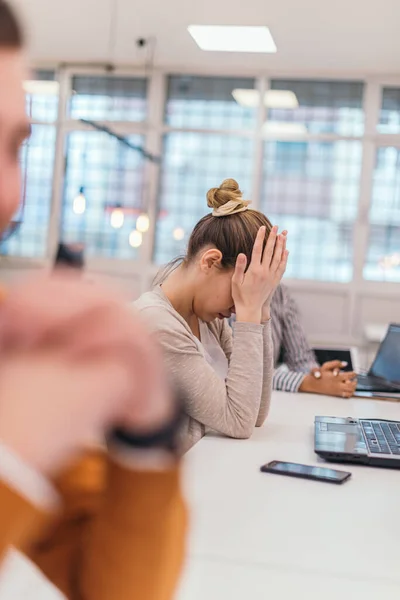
column 178, row 234
column 135, row 238
column 117, row 218
column 143, row 223
column 79, row 204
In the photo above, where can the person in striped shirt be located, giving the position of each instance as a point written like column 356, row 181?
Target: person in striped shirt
column 296, row 367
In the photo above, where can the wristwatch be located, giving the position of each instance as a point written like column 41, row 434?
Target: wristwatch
column 164, row 438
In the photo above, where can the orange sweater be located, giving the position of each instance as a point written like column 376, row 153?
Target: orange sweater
column 120, row 534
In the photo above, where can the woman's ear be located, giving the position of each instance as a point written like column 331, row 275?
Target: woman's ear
column 211, row 258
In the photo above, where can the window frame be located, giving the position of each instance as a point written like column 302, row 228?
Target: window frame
column 154, row 128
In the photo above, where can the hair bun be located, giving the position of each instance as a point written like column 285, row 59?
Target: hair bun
column 227, row 191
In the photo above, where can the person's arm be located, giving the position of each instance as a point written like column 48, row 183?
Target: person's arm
column 285, row 380
column 298, row 357
column 27, row 501
column 268, row 364
column 268, row 372
column 230, row 407
column 122, row 531
column 134, row 546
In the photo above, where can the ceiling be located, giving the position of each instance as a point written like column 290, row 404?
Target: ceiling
column 313, row 36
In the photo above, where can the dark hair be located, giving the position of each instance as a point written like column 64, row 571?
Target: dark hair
column 10, row 31
column 232, row 234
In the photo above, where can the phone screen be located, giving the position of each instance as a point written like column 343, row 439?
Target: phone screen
column 306, row 471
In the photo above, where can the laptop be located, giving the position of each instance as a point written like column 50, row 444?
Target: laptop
column 372, row 442
column 384, row 374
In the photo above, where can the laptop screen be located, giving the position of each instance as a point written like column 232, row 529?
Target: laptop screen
column 387, row 362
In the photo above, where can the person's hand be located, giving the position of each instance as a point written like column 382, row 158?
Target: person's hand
column 75, row 360
column 252, row 291
column 332, row 365
column 329, row 380
column 266, row 310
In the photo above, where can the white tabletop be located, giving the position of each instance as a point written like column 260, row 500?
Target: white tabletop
column 257, row 535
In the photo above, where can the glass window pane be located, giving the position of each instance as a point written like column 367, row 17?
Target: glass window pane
column 208, row 103
column 389, row 118
column 111, row 175
column 108, row 98
column 311, row 189
column 192, row 164
column 383, row 258
column 42, row 96
column 37, row 162
column 322, row 106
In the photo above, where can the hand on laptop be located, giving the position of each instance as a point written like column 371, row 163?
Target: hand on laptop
column 329, row 380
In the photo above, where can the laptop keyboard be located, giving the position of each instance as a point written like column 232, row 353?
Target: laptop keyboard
column 382, row 437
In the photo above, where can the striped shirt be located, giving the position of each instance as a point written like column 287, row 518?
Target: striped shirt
column 293, row 357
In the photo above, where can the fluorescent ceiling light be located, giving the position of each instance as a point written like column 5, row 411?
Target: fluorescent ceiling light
column 232, row 39
column 283, row 129
column 44, row 88
column 272, row 98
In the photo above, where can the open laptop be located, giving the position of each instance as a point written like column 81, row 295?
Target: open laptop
column 384, row 374
column 372, row 442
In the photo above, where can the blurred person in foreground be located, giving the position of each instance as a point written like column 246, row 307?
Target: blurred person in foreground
column 75, row 364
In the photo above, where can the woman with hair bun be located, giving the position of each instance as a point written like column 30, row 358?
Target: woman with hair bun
column 234, row 262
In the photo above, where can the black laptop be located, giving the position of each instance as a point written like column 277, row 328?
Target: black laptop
column 365, row 441
column 384, row 374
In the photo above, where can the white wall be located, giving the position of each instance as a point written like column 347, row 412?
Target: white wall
column 333, row 315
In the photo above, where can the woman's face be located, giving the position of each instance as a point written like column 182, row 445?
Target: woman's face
column 213, row 289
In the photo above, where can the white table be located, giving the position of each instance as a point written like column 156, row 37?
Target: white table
column 256, row 535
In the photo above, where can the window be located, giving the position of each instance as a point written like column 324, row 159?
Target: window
column 208, row 103
column 319, row 107
column 305, row 162
column 37, row 161
column 37, row 164
column 389, row 118
column 108, row 98
column 42, row 97
column 311, row 189
column 383, row 258
column 193, row 163
column 110, row 176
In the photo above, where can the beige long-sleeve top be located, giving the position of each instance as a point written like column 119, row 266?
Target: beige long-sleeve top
column 232, row 407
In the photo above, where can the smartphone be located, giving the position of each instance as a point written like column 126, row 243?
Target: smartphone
column 306, row 472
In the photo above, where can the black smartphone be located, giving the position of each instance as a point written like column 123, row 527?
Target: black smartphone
column 306, row 472
column 324, row 355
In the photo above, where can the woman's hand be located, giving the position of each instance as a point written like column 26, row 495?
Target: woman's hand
column 330, row 381
column 75, row 361
column 266, row 311
column 252, row 291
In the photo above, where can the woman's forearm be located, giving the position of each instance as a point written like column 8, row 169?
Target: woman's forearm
column 268, row 372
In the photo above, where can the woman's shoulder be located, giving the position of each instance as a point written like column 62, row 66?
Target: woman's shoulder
column 151, row 300
column 162, row 318
column 155, row 306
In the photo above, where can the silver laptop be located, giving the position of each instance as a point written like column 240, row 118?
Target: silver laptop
column 372, row 442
